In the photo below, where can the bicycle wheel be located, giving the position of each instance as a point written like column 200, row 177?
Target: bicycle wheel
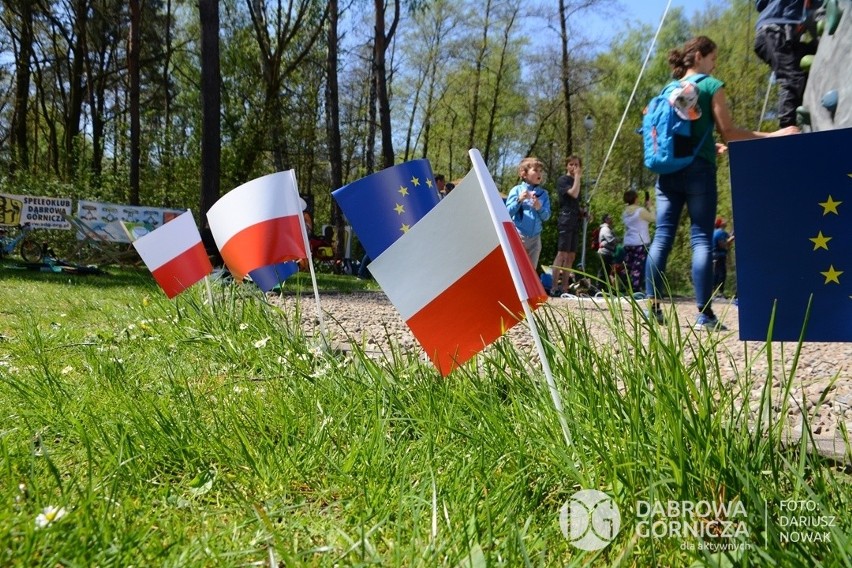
column 31, row 251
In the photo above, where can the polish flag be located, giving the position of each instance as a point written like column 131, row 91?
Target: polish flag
column 459, row 275
column 174, row 254
column 259, row 223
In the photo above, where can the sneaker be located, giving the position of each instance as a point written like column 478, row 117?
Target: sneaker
column 655, row 314
column 710, row 323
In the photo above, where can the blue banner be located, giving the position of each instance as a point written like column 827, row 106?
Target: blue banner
column 792, row 199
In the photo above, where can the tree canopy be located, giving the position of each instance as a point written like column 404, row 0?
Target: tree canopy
column 513, row 80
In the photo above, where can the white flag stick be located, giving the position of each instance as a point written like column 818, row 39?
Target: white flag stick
column 209, row 290
column 310, row 261
column 485, row 179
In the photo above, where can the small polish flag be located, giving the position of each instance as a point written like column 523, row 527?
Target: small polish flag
column 174, row 254
column 259, row 223
column 450, row 274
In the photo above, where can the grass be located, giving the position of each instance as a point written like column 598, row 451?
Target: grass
column 173, row 435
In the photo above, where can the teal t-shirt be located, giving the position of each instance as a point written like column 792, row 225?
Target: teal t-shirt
column 707, row 87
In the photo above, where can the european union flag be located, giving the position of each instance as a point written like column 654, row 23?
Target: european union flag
column 268, row 277
column 792, row 200
column 383, row 206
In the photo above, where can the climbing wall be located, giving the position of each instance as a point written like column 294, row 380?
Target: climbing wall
column 828, row 95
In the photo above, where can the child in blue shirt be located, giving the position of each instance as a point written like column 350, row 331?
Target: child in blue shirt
column 529, row 206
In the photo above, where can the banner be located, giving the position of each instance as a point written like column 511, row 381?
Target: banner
column 106, row 219
column 792, row 198
column 39, row 212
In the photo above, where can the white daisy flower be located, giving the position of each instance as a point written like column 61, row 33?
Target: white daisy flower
column 49, row 515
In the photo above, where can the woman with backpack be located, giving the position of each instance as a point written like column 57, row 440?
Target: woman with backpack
column 703, row 102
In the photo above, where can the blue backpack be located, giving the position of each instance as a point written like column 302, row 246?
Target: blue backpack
column 667, row 138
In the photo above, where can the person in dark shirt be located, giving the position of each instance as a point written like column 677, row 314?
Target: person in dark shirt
column 778, row 42
column 721, row 243
column 567, row 224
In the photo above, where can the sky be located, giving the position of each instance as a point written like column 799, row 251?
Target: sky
column 646, row 12
column 650, row 11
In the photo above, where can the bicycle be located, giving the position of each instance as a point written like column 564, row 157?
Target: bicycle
column 30, row 250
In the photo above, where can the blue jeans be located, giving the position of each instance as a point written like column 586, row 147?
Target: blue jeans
column 695, row 187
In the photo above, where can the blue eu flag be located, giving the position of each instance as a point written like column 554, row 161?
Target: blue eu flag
column 383, row 206
column 268, row 277
column 792, row 200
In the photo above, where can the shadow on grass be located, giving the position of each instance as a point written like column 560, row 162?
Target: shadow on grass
column 15, row 271
column 120, row 276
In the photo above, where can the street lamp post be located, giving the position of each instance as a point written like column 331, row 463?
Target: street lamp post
column 589, row 125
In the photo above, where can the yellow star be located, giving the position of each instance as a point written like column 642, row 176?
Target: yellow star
column 404, row 228
column 428, row 183
column 415, row 181
column 832, row 275
column 830, row 206
column 403, row 191
column 820, row 241
column 400, row 210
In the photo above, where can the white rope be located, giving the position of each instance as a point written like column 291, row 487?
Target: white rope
column 588, row 198
column 765, row 101
column 629, row 102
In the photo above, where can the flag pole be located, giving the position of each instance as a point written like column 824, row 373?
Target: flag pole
column 209, row 290
column 482, row 174
column 310, row 262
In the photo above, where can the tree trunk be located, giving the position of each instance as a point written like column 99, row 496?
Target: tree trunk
column 20, row 147
column 168, row 151
column 275, row 36
column 133, row 71
column 332, row 118
column 75, row 103
column 477, row 79
column 370, row 146
column 97, row 102
column 50, row 120
column 380, row 46
column 566, row 85
column 498, row 81
column 210, row 108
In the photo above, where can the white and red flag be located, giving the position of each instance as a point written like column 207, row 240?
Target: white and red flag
column 451, row 274
column 174, row 254
column 259, row 223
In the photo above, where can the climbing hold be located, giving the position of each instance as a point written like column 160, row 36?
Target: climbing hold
column 806, row 62
column 829, row 101
column 832, row 15
column 803, row 116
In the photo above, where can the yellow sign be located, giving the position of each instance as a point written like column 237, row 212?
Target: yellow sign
column 10, row 210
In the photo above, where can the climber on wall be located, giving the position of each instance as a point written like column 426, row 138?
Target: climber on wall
column 778, row 41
